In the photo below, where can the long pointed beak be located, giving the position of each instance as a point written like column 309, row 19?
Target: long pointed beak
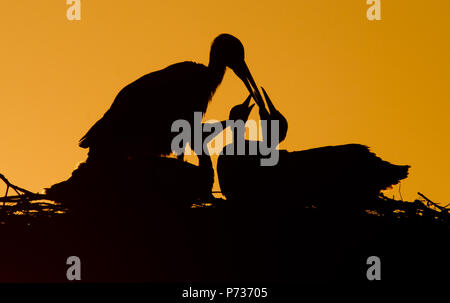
column 244, row 74
column 272, row 108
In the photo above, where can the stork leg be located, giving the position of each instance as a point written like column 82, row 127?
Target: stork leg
column 206, row 167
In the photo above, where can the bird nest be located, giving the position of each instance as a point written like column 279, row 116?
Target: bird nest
column 21, row 205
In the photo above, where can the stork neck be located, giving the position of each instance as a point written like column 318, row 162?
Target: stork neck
column 217, row 71
column 238, row 137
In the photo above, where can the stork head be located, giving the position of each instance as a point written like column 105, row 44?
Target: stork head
column 241, row 111
column 227, row 50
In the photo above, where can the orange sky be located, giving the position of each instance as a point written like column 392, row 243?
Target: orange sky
column 337, row 77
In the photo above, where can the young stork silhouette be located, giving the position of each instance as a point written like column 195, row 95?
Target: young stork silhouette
column 140, row 118
column 343, row 177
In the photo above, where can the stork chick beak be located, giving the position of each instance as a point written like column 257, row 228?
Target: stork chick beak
column 247, row 103
column 272, row 108
column 250, row 108
column 244, row 74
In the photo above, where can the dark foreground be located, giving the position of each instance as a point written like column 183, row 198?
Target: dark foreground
column 223, row 244
column 124, row 230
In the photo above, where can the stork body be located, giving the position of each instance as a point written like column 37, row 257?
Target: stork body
column 140, row 118
column 333, row 176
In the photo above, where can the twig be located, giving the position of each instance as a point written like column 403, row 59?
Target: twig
column 400, row 191
column 16, row 188
column 17, row 199
column 23, row 195
column 432, row 203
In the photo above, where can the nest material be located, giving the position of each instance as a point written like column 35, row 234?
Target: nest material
column 31, row 206
column 26, row 205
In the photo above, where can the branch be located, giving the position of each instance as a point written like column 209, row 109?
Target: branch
column 432, row 203
column 23, row 195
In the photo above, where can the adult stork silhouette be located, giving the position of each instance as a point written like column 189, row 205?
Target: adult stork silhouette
column 140, row 118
